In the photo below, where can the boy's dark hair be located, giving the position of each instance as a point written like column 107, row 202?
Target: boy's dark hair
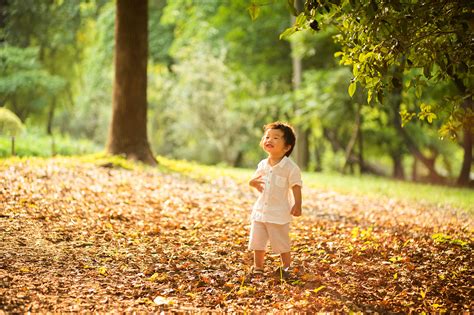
column 288, row 133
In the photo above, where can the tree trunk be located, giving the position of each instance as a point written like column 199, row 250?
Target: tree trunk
column 395, row 100
column 398, row 171
column 360, row 141
column 302, row 144
column 414, row 170
column 468, row 131
column 302, row 147
column 128, row 131
column 318, row 158
column 464, row 175
column 49, row 127
column 13, row 146
column 352, row 141
column 353, row 158
column 238, row 159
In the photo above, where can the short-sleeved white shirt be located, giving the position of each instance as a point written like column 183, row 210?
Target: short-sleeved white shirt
column 275, row 202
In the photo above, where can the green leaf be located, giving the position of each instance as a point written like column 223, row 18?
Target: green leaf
column 355, row 69
column 254, row 11
column 288, row 32
column 352, row 88
column 369, row 95
column 430, row 117
column 418, row 91
column 301, row 19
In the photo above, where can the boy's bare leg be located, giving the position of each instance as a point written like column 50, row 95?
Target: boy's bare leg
column 286, row 259
column 258, row 258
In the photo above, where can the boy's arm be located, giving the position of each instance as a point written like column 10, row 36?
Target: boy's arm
column 296, row 210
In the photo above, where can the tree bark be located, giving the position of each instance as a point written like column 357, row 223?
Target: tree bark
column 128, row 128
column 49, row 126
column 414, row 170
column 318, row 158
column 395, row 100
column 352, row 141
column 353, row 158
column 464, row 176
column 468, row 135
column 468, row 130
column 302, row 144
column 398, row 170
column 360, row 141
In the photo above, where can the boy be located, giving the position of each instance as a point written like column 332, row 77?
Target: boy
column 278, row 179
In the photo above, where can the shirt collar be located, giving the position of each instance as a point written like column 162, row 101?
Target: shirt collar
column 281, row 163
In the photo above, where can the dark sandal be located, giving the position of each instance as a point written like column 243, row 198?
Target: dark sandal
column 282, row 273
column 256, row 272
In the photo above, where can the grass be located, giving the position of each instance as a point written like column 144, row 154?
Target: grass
column 373, row 186
column 33, row 144
column 365, row 185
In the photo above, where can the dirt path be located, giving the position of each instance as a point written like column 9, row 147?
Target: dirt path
column 79, row 237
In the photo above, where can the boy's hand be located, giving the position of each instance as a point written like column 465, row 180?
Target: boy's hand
column 296, row 211
column 257, row 183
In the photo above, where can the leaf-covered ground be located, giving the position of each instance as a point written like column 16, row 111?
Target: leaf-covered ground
column 76, row 236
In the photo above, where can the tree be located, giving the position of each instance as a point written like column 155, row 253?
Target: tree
column 25, row 85
column 10, row 125
column 128, row 131
column 42, row 24
column 434, row 36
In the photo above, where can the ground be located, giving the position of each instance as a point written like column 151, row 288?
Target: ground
column 78, row 236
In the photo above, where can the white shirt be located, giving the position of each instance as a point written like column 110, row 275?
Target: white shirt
column 275, row 202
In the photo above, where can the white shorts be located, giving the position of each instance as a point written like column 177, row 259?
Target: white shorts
column 277, row 234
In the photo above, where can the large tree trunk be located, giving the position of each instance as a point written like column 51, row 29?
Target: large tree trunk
column 128, row 132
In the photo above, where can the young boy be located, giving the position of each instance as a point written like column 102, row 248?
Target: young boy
column 278, row 179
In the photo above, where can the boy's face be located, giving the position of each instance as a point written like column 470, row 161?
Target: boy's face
column 273, row 142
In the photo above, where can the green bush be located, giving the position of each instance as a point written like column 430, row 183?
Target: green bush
column 10, row 124
column 42, row 145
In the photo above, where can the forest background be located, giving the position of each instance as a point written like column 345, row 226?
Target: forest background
column 371, row 86
column 216, row 75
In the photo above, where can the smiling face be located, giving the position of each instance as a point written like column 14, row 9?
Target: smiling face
column 273, row 142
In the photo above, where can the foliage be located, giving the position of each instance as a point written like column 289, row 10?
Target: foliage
column 205, row 108
column 376, row 36
column 160, row 35
column 224, row 25
column 42, row 24
column 24, row 82
column 142, row 240
column 65, row 78
column 89, row 116
column 10, row 124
